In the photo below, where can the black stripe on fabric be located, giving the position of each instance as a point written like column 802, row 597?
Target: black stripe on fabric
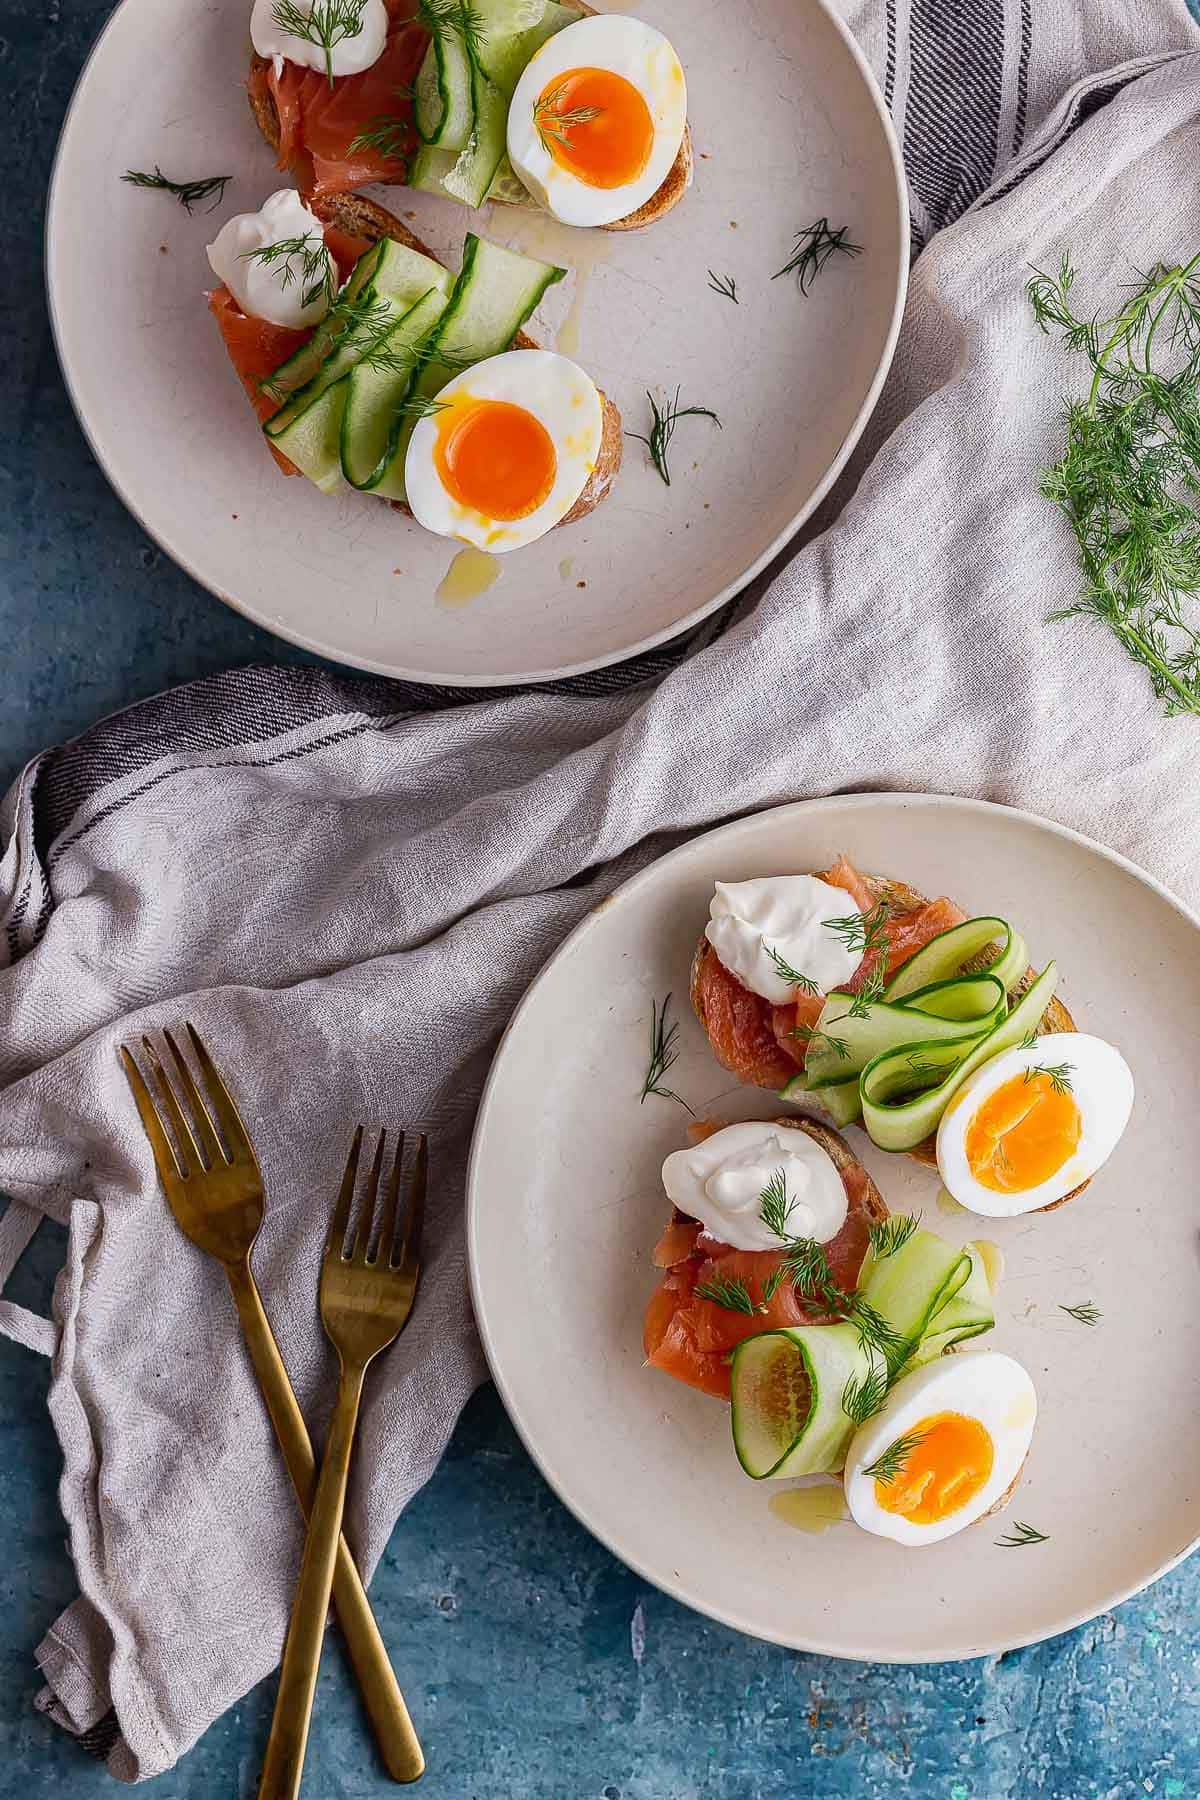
column 1086, row 106
column 99, row 1738
column 1023, row 75
column 952, row 116
column 889, row 76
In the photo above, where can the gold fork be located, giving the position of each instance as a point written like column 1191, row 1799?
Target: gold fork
column 215, row 1191
column 366, row 1300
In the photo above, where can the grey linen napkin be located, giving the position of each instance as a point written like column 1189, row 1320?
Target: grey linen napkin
column 348, row 892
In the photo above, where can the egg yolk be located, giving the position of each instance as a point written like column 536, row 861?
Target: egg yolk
column 942, row 1472
column 596, row 125
column 1022, row 1134
column 494, row 457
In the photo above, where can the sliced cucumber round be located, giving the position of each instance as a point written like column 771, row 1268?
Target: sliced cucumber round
column 944, row 956
column 849, row 1034
column 786, row 1390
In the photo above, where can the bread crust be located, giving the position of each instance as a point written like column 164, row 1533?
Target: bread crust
column 902, row 898
column 674, row 187
column 361, row 217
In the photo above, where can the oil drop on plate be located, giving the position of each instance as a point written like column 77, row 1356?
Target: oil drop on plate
column 470, row 574
column 810, row 1509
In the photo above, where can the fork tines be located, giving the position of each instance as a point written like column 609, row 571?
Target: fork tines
column 380, row 1238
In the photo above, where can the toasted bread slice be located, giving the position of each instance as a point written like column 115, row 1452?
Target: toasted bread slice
column 902, row 898
column 360, row 217
column 678, row 180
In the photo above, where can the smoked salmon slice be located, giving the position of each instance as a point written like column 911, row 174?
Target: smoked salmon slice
column 755, row 1040
column 257, row 348
column 691, row 1338
column 319, row 123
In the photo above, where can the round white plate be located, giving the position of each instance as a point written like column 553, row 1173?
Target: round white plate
column 789, row 127
column 565, row 1205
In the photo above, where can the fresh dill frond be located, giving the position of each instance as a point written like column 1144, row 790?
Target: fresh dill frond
column 890, row 1464
column 1020, row 1535
column 1059, row 1075
column 316, row 266
column 874, row 1331
column 891, row 1235
column 1085, row 1312
column 440, row 16
column 664, row 1053
column 773, row 1283
column 188, row 193
column 812, row 250
column 325, row 23
column 388, row 134
column 733, row 1295
column 862, row 1398
column 868, row 994
column 809, row 1035
column 862, row 931
column 1129, row 477
column 725, row 285
column 663, row 420
column 773, row 1205
column 793, row 977
column 1029, row 1041
column 921, row 1067
column 806, row 1266
column 553, row 122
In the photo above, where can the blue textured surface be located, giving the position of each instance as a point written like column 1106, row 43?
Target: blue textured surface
column 538, row 1668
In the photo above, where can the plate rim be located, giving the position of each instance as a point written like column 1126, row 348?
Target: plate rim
column 587, row 665
column 785, row 811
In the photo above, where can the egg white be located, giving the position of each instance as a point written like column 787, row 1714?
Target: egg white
column 1102, row 1086
column 562, row 397
column 983, row 1384
column 627, row 47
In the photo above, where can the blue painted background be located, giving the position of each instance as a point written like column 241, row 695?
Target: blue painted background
column 537, row 1667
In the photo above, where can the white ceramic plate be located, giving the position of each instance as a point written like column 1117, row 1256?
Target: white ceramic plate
column 789, row 127
column 566, row 1204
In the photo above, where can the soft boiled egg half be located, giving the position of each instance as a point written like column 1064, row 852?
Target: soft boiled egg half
column 946, row 1445
column 597, row 119
column 507, row 451
column 1033, row 1123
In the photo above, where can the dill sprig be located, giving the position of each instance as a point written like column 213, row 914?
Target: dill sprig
column 725, row 285
column 809, row 1035
column 553, row 122
column 862, row 1398
column 440, row 16
column 890, row 1465
column 317, row 276
column 1020, row 1535
column 1130, row 475
column 664, row 1053
column 793, row 977
column 1059, row 1075
column 1086, row 1313
column 891, row 1235
column 812, row 250
column 733, row 1295
column 1029, row 1041
column 324, row 23
column 862, row 931
column 387, row 133
column 186, row 192
column 773, row 1205
column 806, row 1266
column 663, row 420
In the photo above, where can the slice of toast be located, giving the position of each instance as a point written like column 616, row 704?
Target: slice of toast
column 678, row 179
column 360, row 217
column 902, row 899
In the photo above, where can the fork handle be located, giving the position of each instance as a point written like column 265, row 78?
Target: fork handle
column 394, row 1733
column 284, row 1764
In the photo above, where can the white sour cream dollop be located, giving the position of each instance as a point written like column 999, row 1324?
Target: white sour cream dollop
column 721, row 1182
column 788, row 914
column 350, row 55
column 263, row 289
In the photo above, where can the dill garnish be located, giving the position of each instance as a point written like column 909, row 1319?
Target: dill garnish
column 439, row 16
column 663, row 420
column 733, row 1295
column 186, row 192
column 1130, row 475
column 809, row 1034
column 1020, row 1535
column 891, row 1235
column 316, row 266
column 888, row 1466
column 1059, row 1074
column 664, row 1053
column 862, row 931
column 806, row 1266
column 812, row 250
column 324, row 23
column 553, row 122
column 388, row 133
column 724, row 285
column 1085, row 1312
column 793, row 977
column 862, row 1399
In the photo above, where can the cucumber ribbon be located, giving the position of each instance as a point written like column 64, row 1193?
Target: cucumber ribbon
column 792, row 1389
column 896, row 1062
